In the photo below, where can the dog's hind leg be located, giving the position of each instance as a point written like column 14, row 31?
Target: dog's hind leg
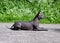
column 13, row 27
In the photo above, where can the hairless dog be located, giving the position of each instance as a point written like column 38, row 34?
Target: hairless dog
column 32, row 25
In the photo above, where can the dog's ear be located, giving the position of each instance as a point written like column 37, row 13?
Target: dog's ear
column 38, row 13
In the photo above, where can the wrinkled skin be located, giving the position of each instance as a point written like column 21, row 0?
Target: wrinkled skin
column 32, row 25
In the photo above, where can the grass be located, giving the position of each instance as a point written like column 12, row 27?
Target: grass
column 25, row 10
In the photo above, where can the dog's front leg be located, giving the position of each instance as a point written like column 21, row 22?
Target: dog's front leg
column 40, row 29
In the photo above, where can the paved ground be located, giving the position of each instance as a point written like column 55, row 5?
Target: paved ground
column 10, row 36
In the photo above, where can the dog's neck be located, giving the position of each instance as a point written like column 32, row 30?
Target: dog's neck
column 36, row 22
column 36, row 19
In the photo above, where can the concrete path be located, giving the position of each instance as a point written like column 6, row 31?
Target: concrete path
column 10, row 36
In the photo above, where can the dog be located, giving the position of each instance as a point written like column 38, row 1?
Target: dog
column 30, row 25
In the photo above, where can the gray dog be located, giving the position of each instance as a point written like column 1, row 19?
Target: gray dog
column 32, row 25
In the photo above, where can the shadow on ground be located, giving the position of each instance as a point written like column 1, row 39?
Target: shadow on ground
column 57, row 30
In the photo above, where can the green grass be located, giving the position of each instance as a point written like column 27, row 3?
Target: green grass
column 25, row 10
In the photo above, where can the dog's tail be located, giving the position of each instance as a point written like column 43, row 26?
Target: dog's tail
column 7, row 27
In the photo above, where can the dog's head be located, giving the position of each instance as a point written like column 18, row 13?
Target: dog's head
column 40, row 16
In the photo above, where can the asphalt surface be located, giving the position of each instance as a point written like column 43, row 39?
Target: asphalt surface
column 10, row 36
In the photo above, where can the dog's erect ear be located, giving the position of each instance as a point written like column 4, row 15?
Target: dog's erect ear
column 38, row 13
